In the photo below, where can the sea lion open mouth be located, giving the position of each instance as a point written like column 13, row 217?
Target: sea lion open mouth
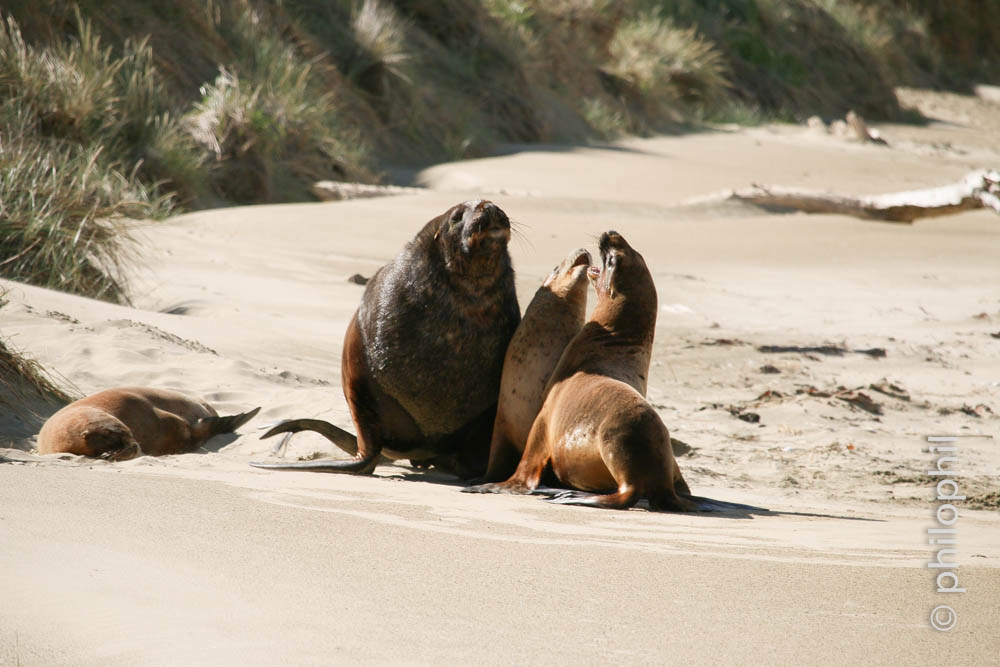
column 582, row 259
column 569, row 267
column 554, row 316
column 595, row 432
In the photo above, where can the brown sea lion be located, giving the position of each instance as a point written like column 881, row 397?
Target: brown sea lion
column 595, row 429
column 423, row 354
column 125, row 422
column 554, row 316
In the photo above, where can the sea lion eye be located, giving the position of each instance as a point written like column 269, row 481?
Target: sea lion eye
column 456, row 215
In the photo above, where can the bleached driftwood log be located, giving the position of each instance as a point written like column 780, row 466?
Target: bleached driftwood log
column 337, row 191
column 979, row 189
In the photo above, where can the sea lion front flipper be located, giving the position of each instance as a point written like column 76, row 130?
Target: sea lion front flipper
column 532, row 466
column 122, row 452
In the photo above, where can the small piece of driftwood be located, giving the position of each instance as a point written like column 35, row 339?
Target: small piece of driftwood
column 338, row 191
column 979, row 189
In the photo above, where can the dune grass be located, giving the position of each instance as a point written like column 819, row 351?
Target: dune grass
column 71, row 113
column 62, row 224
column 114, row 110
column 26, row 389
column 28, row 396
column 24, row 381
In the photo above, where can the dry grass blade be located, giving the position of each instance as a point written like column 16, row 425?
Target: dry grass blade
column 62, row 221
column 28, row 395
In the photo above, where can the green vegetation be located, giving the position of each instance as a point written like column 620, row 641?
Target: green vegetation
column 113, row 110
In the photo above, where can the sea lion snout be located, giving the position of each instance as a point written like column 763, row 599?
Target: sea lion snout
column 616, row 256
column 570, row 270
column 112, row 440
column 484, row 223
column 611, row 241
column 579, row 257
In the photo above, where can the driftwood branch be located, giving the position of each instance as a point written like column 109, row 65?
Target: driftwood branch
column 979, row 189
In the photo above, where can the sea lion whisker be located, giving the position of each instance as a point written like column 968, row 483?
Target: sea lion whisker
column 595, row 430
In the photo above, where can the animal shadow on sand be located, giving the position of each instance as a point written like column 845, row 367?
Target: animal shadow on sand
column 719, row 508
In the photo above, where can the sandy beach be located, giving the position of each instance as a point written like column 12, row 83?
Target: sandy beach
column 199, row 559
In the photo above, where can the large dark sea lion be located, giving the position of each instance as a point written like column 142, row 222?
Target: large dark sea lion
column 554, row 316
column 595, row 429
column 423, row 354
column 125, row 422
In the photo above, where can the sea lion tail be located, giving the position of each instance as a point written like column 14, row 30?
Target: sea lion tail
column 228, row 424
column 338, row 436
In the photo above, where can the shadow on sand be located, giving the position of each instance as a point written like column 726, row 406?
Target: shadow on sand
column 714, row 507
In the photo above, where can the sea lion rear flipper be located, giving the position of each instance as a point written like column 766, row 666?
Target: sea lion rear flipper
column 360, row 466
column 710, row 505
column 338, row 436
column 227, row 424
column 622, row 499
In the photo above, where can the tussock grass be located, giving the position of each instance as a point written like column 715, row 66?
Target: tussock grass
column 269, row 126
column 671, row 71
column 62, row 223
column 23, row 381
column 28, row 396
column 63, row 193
column 27, row 391
column 114, row 109
column 381, row 59
column 77, row 92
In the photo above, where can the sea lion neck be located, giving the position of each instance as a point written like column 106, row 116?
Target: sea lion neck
column 627, row 316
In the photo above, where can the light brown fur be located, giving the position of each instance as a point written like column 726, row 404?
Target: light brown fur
column 554, row 316
column 595, row 429
column 125, row 422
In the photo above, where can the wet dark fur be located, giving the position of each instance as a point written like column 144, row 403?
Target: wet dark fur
column 423, row 355
column 432, row 289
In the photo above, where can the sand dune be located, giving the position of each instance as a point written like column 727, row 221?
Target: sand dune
column 200, row 559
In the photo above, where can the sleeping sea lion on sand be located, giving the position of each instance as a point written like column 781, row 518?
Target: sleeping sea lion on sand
column 125, row 422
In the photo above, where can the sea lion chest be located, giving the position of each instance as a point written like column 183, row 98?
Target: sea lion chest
column 436, row 349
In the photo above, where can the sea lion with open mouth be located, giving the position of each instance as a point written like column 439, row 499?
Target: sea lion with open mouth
column 424, row 352
column 554, row 316
column 595, row 429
